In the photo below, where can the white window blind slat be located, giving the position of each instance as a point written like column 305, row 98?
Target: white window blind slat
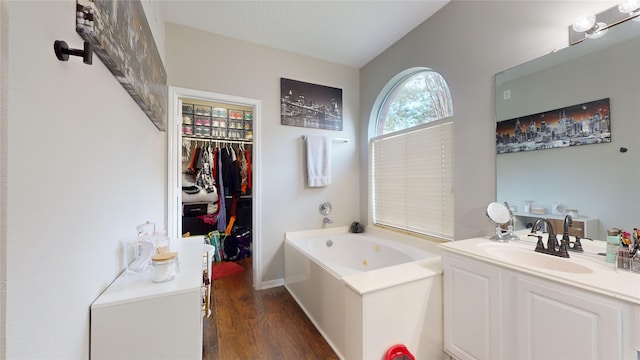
column 413, row 180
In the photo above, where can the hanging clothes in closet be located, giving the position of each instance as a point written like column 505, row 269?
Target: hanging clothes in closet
column 222, row 218
column 247, row 156
column 234, row 174
column 230, row 172
column 242, row 170
column 199, row 191
column 214, row 160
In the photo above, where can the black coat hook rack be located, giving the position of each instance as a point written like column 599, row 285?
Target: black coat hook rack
column 62, row 51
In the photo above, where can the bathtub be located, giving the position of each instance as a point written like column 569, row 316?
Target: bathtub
column 367, row 292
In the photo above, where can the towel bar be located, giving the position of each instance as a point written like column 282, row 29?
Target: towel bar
column 336, row 140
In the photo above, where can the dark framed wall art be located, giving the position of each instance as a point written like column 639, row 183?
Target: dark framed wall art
column 121, row 37
column 310, row 105
column 581, row 124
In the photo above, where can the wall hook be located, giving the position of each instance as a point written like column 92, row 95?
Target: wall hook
column 62, row 51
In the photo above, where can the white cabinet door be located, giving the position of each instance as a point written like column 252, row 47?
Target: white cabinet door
column 551, row 321
column 472, row 309
column 163, row 327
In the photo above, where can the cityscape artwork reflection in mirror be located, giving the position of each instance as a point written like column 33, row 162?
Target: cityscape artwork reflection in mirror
column 581, row 124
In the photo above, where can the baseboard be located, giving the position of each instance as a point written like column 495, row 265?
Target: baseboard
column 270, row 284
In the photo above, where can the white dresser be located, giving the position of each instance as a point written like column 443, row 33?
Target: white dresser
column 135, row 318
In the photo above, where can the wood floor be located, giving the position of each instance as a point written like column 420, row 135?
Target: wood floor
column 266, row 324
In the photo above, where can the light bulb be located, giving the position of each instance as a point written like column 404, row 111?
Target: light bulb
column 584, row 23
column 629, row 7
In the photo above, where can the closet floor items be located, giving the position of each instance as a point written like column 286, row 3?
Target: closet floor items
column 196, row 226
column 267, row 324
column 223, row 269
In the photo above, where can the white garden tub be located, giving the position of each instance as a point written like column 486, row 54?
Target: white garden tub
column 367, row 292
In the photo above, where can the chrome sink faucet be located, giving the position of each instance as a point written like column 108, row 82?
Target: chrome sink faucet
column 553, row 248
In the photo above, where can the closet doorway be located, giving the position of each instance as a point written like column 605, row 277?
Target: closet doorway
column 225, row 125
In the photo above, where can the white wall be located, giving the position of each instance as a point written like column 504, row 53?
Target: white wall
column 468, row 42
column 208, row 62
column 156, row 24
column 83, row 166
column 3, row 175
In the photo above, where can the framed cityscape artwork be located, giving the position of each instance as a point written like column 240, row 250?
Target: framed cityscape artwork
column 120, row 35
column 310, row 105
column 581, row 124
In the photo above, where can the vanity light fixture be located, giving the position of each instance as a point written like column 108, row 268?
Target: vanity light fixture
column 594, row 26
column 587, row 24
column 630, row 7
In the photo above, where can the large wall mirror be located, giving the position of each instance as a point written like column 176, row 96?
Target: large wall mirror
column 602, row 180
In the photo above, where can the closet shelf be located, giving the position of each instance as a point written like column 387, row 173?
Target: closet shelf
column 213, row 139
column 211, row 122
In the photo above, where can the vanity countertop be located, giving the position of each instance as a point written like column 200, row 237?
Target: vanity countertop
column 603, row 278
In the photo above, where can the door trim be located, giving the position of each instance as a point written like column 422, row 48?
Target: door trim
column 174, row 198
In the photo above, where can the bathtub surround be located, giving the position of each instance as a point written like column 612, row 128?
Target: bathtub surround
column 318, row 161
column 345, row 283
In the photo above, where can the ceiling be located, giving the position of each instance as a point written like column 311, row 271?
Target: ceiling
column 350, row 33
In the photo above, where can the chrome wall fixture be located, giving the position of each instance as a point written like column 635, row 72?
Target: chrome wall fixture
column 593, row 26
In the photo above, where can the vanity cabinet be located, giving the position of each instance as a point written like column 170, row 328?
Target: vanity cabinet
column 492, row 312
column 473, row 309
column 135, row 318
column 559, row 322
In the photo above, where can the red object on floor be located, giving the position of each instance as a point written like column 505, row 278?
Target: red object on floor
column 399, row 352
column 222, row 269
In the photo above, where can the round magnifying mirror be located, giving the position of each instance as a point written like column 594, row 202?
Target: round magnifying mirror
column 498, row 213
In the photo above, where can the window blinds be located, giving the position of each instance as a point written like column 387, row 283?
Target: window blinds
column 413, row 180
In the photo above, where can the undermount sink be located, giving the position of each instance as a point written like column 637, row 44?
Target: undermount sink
column 532, row 258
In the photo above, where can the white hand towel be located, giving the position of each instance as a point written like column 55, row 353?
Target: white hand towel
column 318, row 161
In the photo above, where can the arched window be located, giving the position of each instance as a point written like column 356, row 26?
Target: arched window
column 418, row 98
column 412, row 155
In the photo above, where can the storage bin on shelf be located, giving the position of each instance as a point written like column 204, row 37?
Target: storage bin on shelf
column 204, row 131
column 219, row 112
column 236, row 114
column 202, row 120
column 202, row 110
column 187, row 108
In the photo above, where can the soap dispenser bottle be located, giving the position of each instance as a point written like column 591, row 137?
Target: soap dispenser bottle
column 613, row 244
